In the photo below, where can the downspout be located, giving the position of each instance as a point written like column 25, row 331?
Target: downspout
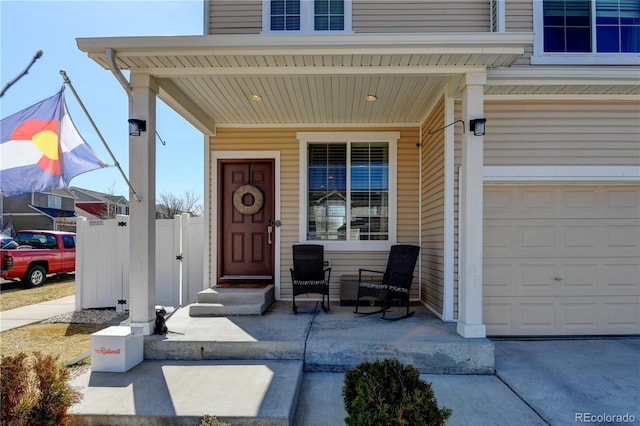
column 420, row 207
column 111, row 60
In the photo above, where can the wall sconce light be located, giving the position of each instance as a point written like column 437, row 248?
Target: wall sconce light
column 477, row 126
column 136, row 126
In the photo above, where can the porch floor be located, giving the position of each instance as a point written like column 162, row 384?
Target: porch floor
column 227, row 360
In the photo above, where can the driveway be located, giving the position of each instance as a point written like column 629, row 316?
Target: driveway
column 573, row 381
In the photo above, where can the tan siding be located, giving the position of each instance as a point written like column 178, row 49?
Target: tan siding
column 519, row 18
column 284, row 141
column 371, row 16
column 432, row 189
column 456, row 185
column 235, row 17
column 562, row 133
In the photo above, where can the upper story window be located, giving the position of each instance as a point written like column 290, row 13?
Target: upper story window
column 54, row 201
column 346, row 182
column 587, row 31
column 306, row 16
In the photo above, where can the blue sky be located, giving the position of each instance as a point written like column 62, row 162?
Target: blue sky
column 53, row 26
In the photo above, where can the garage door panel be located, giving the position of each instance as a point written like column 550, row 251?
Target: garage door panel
column 497, row 279
column 622, row 314
column 544, row 316
column 563, row 203
column 622, row 236
column 622, row 275
column 561, row 238
column 562, row 277
column 562, row 260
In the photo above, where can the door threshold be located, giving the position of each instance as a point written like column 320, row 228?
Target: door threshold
column 246, row 277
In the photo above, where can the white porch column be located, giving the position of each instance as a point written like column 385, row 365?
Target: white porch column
column 142, row 214
column 471, row 218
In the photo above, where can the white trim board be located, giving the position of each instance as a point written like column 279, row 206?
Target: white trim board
column 627, row 174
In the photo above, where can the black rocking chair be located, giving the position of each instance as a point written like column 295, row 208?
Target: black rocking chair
column 395, row 284
column 309, row 274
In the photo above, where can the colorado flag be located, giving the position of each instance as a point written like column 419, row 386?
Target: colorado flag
column 40, row 149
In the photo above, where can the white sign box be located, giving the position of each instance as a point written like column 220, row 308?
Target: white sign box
column 116, row 349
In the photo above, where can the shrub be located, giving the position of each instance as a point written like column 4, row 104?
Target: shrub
column 35, row 391
column 388, row 393
column 208, row 420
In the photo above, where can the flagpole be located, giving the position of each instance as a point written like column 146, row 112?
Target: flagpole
column 68, row 82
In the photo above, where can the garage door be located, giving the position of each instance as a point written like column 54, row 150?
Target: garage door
column 562, row 260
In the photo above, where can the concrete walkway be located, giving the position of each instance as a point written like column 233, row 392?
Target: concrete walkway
column 19, row 317
column 537, row 382
column 552, row 382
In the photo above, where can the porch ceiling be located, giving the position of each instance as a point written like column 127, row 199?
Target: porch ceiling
column 306, row 80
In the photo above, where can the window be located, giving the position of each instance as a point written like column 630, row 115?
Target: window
column 587, row 31
column 306, row 16
column 347, row 188
column 36, row 240
column 54, row 201
column 285, row 15
column 618, row 26
column 328, row 15
column 69, row 241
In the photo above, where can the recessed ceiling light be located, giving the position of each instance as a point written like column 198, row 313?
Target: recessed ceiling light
column 370, row 98
column 255, row 97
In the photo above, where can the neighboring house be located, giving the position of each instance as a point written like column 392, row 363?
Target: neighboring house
column 58, row 209
column 93, row 204
column 52, row 210
column 354, row 119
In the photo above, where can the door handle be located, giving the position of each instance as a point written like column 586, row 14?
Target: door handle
column 270, row 232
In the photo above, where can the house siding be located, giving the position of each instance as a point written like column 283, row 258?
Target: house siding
column 562, row 133
column 432, row 200
column 235, row 17
column 554, row 133
column 368, row 16
column 420, row 16
column 519, row 18
column 342, row 262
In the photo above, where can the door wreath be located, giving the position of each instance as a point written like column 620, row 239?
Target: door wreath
column 238, row 196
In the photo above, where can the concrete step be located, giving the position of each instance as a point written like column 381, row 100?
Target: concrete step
column 237, row 295
column 327, row 342
column 228, row 309
column 232, row 301
column 256, row 392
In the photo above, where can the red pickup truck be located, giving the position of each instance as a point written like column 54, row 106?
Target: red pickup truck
column 34, row 254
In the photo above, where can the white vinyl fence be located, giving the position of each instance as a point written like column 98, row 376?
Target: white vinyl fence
column 102, row 262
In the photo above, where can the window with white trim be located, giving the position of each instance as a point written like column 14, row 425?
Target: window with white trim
column 587, row 31
column 306, row 16
column 54, row 201
column 347, row 182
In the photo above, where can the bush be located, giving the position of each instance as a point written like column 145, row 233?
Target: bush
column 388, row 393
column 208, row 420
column 34, row 391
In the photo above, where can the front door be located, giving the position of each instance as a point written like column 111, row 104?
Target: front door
column 245, row 217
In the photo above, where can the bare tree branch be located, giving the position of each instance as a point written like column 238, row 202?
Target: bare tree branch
column 170, row 205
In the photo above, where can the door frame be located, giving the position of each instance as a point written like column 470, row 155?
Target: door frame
column 213, row 208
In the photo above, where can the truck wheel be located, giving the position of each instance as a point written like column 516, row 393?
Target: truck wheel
column 36, row 275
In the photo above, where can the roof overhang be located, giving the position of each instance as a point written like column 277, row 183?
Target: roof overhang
column 309, row 79
column 567, row 80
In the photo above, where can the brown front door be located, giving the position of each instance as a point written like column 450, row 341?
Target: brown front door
column 246, row 244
